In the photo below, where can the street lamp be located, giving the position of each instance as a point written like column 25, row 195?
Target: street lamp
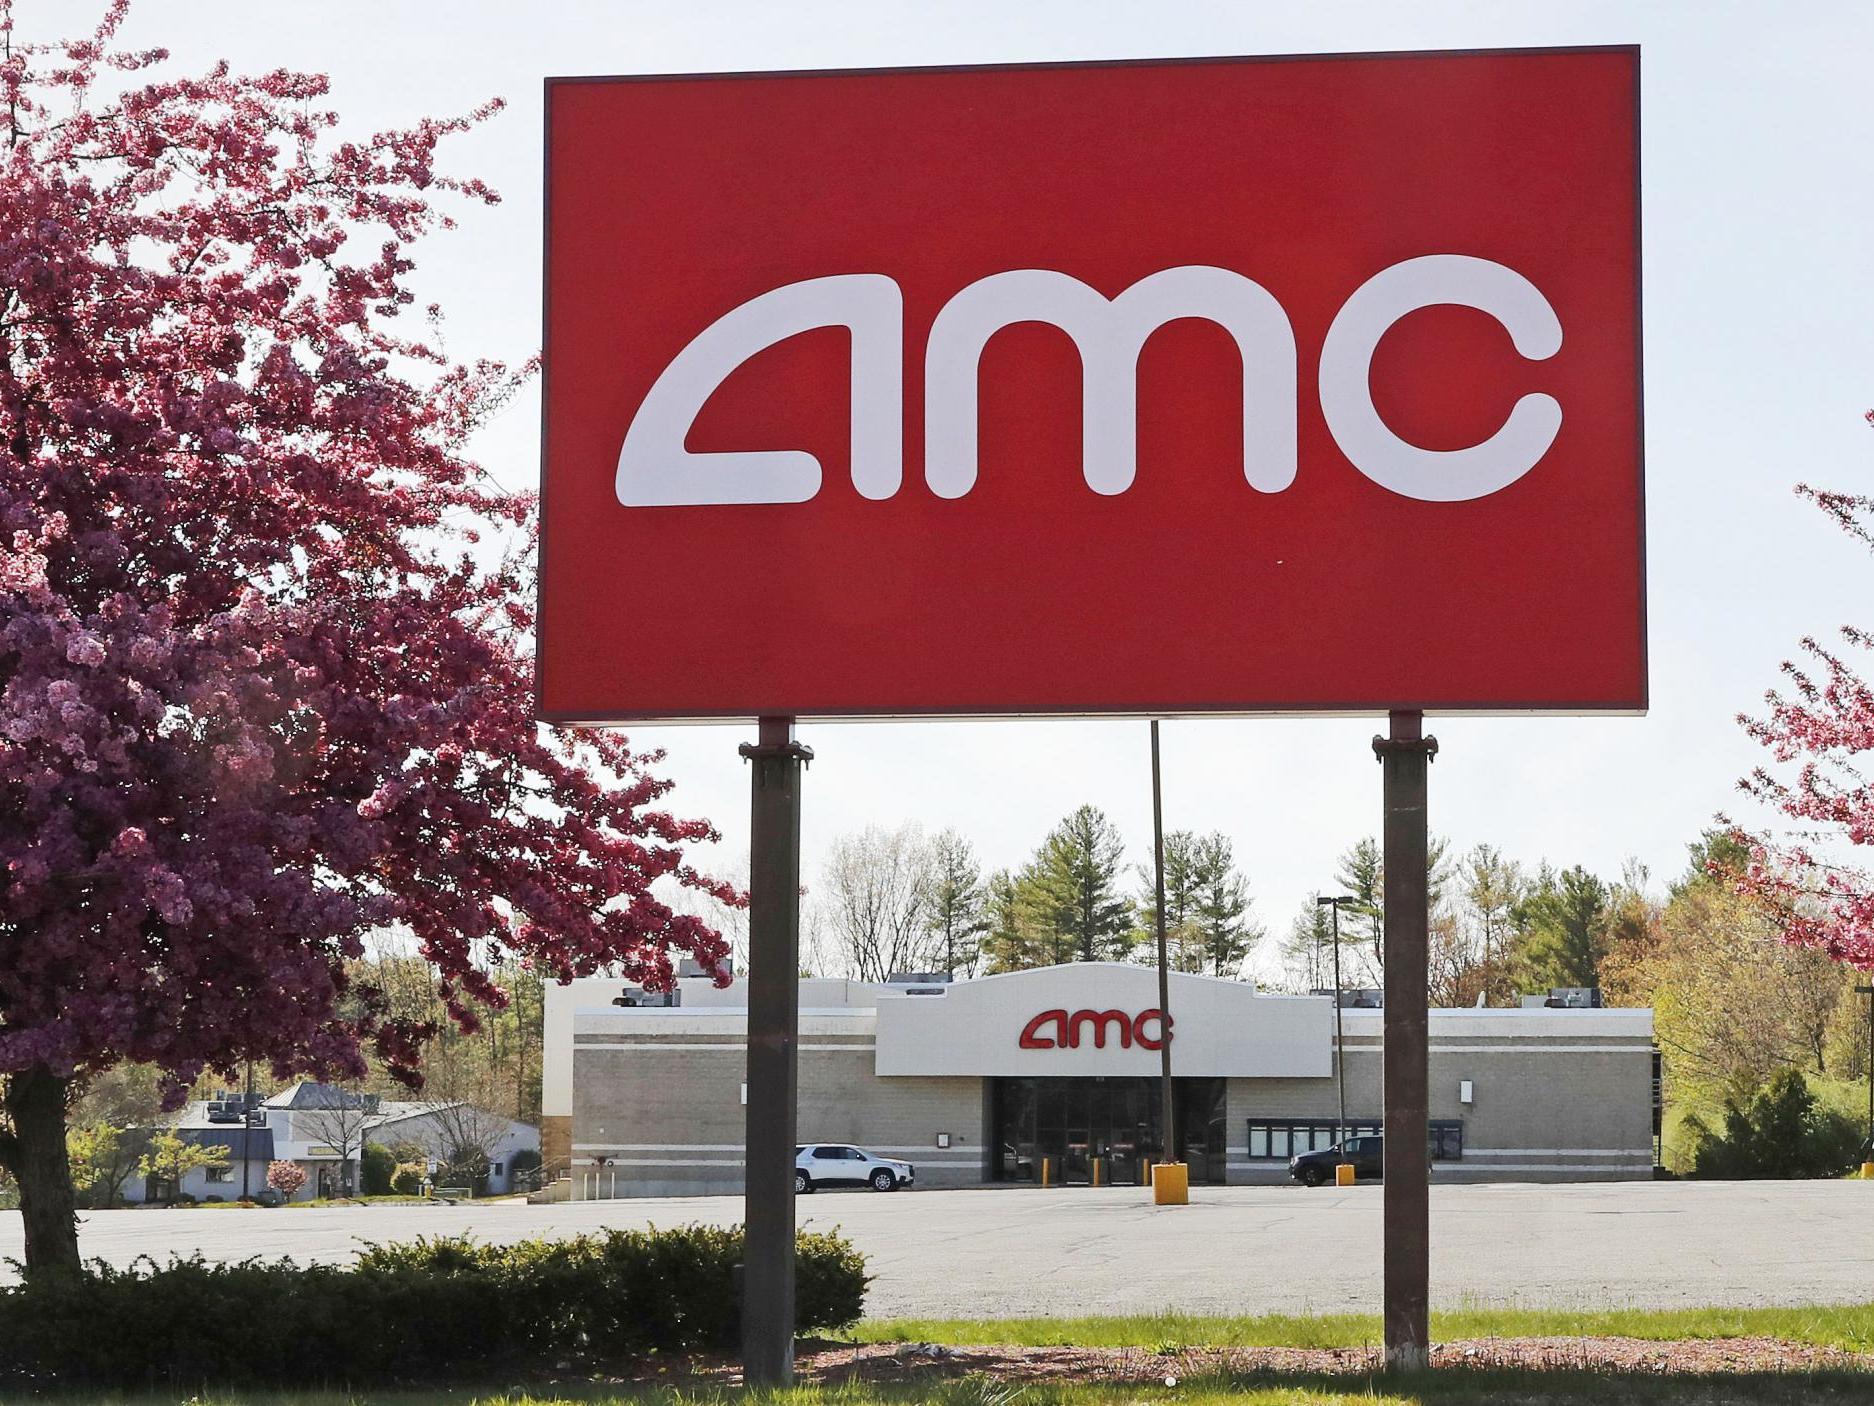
column 1340, row 1061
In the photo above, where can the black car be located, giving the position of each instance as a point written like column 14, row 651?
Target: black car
column 1366, row 1152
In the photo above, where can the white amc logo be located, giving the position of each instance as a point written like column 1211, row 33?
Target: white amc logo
column 655, row 469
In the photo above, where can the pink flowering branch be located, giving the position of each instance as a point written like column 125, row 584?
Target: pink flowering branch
column 260, row 691
column 1819, row 729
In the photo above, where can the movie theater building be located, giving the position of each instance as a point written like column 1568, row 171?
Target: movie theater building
column 1005, row 1079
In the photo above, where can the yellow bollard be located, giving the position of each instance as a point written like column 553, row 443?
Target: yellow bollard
column 1343, row 1174
column 1096, row 1171
column 1045, row 1168
column 1867, row 1171
column 1171, row 1184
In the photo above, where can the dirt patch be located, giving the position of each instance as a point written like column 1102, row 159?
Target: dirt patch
column 901, row 1362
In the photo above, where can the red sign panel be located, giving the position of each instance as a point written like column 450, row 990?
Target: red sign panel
column 1245, row 385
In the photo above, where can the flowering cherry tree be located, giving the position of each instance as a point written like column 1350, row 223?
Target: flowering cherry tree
column 265, row 682
column 1822, row 723
column 287, row 1178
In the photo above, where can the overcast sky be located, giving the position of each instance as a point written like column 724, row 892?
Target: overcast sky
column 1758, row 292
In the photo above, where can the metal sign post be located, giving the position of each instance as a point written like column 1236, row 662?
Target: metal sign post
column 1405, row 756
column 773, row 1040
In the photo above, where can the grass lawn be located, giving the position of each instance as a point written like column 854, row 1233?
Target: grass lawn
column 1850, row 1327
column 1444, row 1389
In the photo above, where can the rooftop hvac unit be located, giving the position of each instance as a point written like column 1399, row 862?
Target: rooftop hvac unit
column 918, row 979
column 1360, row 998
column 1576, row 998
column 636, row 998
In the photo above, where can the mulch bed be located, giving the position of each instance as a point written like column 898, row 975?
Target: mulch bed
column 900, row 1362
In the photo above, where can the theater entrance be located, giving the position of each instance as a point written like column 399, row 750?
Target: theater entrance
column 1080, row 1128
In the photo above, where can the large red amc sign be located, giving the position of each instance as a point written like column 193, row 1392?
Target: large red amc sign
column 1223, row 386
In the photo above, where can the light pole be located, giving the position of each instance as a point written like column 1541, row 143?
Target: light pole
column 1340, row 1063
column 1168, row 1104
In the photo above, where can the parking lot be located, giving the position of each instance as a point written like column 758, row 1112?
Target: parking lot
column 1233, row 1250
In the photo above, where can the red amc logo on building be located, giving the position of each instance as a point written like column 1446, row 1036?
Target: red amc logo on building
column 1224, row 385
column 1057, row 1030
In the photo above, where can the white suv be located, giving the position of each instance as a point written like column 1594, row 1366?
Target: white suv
column 841, row 1164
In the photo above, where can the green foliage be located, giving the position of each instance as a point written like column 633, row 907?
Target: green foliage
column 1071, row 890
column 377, row 1165
column 1780, row 1132
column 430, row 1310
column 958, row 902
column 407, row 1178
column 170, row 1159
column 93, row 1153
column 1563, row 925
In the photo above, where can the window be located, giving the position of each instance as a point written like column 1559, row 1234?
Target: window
column 1447, row 1138
column 494, row 1169
column 829, row 1154
column 220, row 1175
column 1277, row 1140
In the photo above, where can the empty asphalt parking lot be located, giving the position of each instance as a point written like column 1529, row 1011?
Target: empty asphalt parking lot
column 1233, row 1250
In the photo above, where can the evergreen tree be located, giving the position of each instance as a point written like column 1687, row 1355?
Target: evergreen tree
column 1010, row 941
column 958, row 902
column 1221, row 914
column 1563, row 922
column 1183, row 941
column 1071, row 890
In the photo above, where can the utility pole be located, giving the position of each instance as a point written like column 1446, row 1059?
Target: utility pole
column 1167, row 1103
column 247, row 1130
column 1340, row 1063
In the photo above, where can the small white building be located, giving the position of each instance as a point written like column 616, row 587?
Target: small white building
column 323, row 1129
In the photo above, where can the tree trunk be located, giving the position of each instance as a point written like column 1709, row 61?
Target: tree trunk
column 35, row 1153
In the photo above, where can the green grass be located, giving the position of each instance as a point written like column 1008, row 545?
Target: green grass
column 1481, row 1388
column 1849, row 1326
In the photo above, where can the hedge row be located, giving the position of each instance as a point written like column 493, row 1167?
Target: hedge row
column 434, row 1309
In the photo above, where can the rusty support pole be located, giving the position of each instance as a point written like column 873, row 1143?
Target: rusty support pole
column 1168, row 1145
column 1405, row 756
column 773, row 1041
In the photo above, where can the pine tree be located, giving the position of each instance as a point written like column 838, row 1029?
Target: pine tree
column 1564, row 930
column 1010, row 941
column 958, row 902
column 1072, row 890
column 1183, row 941
column 1225, row 932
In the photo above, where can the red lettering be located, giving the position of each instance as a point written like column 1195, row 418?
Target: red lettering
column 1099, row 1020
column 1164, row 1029
column 1031, row 1033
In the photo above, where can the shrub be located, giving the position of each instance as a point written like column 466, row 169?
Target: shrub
column 407, row 1179
column 377, row 1165
column 1779, row 1132
column 428, row 1310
